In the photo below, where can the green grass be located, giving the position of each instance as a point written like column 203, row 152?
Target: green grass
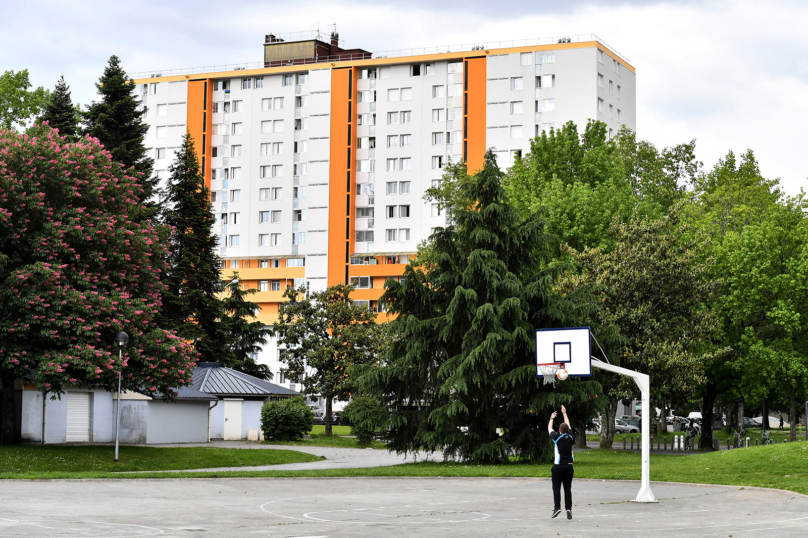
column 752, row 433
column 51, row 461
column 338, row 440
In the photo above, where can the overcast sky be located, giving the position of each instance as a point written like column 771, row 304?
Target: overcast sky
column 731, row 74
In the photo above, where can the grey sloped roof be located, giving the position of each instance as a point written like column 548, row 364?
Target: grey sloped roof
column 187, row 393
column 223, row 381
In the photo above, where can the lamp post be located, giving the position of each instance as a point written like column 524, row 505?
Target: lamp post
column 121, row 339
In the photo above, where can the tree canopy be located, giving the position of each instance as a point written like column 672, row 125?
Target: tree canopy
column 60, row 113
column 18, row 103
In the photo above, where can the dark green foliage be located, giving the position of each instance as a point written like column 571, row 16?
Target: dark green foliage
column 245, row 337
column 463, row 349
column 120, row 125
column 60, row 112
column 366, row 416
column 18, row 103
column 191, row 305
column 287, row 419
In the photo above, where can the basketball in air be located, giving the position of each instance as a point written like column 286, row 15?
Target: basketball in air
column 562, row 375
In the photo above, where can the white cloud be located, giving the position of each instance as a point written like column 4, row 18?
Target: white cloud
column 730, row 74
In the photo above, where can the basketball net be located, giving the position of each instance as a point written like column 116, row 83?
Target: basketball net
column 550, row 372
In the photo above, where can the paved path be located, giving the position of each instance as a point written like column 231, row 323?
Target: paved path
column 375, row 507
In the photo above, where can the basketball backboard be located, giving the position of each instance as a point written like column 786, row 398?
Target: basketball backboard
column 569, row 347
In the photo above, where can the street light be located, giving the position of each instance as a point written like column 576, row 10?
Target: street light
column 121, row 339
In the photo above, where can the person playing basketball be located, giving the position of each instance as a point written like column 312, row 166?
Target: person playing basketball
column 562, row 471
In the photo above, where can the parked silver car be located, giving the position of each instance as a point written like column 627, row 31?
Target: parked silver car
column 621, row 426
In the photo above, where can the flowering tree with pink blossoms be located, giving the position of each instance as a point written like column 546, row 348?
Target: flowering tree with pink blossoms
column 77, row 265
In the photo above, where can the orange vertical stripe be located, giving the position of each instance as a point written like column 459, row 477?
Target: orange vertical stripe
column 340, row 191
column 199, row 109
column 475, row 140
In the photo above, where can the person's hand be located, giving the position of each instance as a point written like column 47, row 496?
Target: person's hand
column 554, row 415
column 563, row 409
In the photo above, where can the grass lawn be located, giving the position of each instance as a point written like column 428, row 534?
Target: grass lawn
column 338, row 440
column 752, row 433
column 52, row 461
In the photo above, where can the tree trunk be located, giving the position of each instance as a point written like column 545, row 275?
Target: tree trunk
column 607, row 425
column 792, row 414
column 764, row 424
column 730, row 419
column 8, row 412
column 739, row 419
column 707, row 407
column 580, row 438
column 327, row 417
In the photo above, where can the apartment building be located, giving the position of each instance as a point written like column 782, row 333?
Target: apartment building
column 318, row 157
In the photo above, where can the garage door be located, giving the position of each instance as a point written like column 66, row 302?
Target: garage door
column 78, row 417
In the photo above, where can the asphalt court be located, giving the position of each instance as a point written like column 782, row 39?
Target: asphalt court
column 395, row 507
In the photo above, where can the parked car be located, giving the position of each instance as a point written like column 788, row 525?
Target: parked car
column 621, row 426
column 319, row 419
column 749, row 423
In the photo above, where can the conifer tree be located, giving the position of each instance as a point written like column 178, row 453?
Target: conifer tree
column 245, row 337
column 191, row 305
column 60, row 112
column 118, row 122
column 463, row 351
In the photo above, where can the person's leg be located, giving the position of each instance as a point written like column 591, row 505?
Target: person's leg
column 568, row 474
column 556, row 474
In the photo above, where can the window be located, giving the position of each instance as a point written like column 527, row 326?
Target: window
column 393, row 95
column 274, row 240
column 277, row 126
column 438, row 114
column 415, row 70
column 455, row 90
column 237, row 128
column 263, row 217
column 235, row 195
column 160, row 153
column 406, row 141
column 263, row 241
column 516, row 154
column 365, row 188
column 367, row 96
column 274, row 148
column 429, row 69
column 392, row 165
column 275, row 285
column 246, row 84
column 288, row 80
column 456, row 113
column 618, row 91
column 437, row 161
column 364, row 212
column 392, row 118
column 366, row 165
column 516, row 107
column 300, row 169
column 299, row 238
column 547, row 81
column 600, row 56
column 295, row 262
column 436, row 210
column 235, row 151
column 220, row 129
column 618, row 115
column 392, row 141
column 234, row 218
column 404, row 234
column 545, row 105
column 455, row 67
column 365, row 235
column 302, row 123
column 367, row 73
column 616, row 66
column 406, row 116
column 213, row 196
column 403, row 211
column 390, row 211
column 276, row 216
column 263, row 264
column 601, row 78
column 263, row 285
column 611, row 108
column 406, row 94
column 611, row 87
column 259, row 82
column 437, row 139
column 276, row 193
column 438, row 91
column 161, row 132
column 361, row 282
column 455, row 137
column 301, row 101
column 546, row 57
column 154, row 88
column 600, row 105
column 391, row 235
column 303, row 78
column 233, row 241
column 517, row 83
column 366, row 119
column 235, row 173
column 162, row 110
column 404, row 188
column 236, row 106
column 516, row 131
column 526, row 58
column 406, row 164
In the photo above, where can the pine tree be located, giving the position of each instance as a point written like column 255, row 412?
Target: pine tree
column 60, row 112
column 245, row 337
column 191, row 305
column 118, row 122
column 463, row 349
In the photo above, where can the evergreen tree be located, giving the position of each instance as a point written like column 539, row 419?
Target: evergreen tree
column 60, row 112
column 118, row 122
column 245, row 337
column 191, row 305
column 463, row 348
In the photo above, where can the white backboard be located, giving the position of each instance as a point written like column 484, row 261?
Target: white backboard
column 570, row 346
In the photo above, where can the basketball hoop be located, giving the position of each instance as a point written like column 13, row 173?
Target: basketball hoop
column 550, row 371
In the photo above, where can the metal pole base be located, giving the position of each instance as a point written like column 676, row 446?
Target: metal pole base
column 645, row 496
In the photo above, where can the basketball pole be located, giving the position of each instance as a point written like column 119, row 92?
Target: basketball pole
column 645, row 494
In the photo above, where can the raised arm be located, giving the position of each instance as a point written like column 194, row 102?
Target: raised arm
column 550, row 424
column 567, row 420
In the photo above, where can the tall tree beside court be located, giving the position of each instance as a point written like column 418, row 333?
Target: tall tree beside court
column 191, row 303
column 245, row 335
column 19, row 104
column 119, row 122
column 60, row 113
column 460, row 374
column 324, row 336
column 78, row 263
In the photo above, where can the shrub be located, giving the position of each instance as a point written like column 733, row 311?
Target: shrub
column 366, row 416
column 287, row 419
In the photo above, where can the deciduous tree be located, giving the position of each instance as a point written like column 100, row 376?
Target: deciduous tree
column 18, row 103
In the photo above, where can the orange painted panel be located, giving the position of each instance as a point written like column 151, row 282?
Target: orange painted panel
column 270, row 273
column 476, row 114
column 200, row 119
column 367, row 294
column 392, row 269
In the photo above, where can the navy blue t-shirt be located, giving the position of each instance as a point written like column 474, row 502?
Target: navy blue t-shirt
column 563, row 447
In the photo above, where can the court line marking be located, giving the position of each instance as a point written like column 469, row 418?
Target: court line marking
column 81, row 521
